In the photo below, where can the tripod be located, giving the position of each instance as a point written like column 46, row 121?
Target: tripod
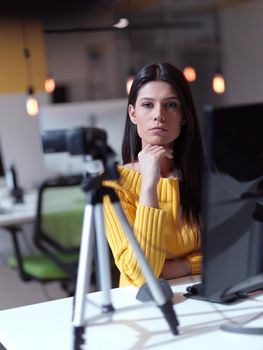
column 93, row 229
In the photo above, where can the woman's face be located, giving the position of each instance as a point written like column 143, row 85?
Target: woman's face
column 157, row 114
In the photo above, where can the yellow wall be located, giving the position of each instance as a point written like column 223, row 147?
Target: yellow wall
column 13, row 73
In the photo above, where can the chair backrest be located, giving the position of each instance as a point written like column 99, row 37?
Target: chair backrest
column 60, row 211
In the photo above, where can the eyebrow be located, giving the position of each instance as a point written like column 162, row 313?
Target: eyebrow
column 165, row 99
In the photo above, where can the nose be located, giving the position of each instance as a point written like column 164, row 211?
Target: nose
column 159, row 115
column 159, row 118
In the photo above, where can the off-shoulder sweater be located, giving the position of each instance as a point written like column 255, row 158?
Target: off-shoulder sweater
column 160, row 232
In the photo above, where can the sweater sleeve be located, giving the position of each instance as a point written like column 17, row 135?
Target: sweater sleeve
column 195, row 261
column 146, row 223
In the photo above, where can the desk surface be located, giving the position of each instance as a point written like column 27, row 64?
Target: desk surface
column 133, row 325
column 15, row 214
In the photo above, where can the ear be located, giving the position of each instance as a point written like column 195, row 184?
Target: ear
column 131, row 111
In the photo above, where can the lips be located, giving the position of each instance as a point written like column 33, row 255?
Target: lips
column 158, row 128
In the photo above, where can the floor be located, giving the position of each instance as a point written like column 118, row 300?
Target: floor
column 14, row 292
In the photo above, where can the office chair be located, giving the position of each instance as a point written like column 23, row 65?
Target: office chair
column 56, row 235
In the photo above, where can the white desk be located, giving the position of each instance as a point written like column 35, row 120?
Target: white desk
column 47, row 326
column 16, row 214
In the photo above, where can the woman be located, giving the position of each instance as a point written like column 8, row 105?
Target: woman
column 160, row 179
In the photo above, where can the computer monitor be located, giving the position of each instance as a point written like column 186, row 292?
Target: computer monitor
column 233, row 202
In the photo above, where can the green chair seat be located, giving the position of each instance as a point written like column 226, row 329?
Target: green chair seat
column 41, row 267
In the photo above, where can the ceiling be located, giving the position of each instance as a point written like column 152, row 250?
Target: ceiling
column 51, row 7
column 47, row 8
column 100, row 15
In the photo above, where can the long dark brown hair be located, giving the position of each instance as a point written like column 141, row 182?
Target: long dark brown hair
column 187, row 147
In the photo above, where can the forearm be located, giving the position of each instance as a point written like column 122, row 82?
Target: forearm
column 180, row 267
column 147, row 227
column 175, row 268
column 150, row 159
column 148, row 197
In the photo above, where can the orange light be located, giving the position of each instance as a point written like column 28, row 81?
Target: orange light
column 189, row 73
column 50, row 85
column 129, row 83
column 219, row 83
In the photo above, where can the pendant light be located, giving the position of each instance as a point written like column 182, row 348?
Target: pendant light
column 218, row 81
column 122, row 23
column 189, row 73
column 131, row 72
column 32, row 107
column 50, row 84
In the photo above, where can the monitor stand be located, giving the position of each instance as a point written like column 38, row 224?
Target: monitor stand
column 195, row 291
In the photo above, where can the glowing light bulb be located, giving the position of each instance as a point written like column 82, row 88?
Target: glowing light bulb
column 122, row 23
column 189, row 73
column 219, row 83
column 32, row 106
column 50, row 84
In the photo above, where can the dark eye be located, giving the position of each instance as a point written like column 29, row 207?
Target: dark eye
column 171, row 105
column 147, row 105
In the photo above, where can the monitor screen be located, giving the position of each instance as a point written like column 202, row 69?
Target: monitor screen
column 233, row 202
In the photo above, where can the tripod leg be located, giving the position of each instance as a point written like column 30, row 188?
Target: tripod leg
column 165, row 305
column 103, row 258
column 84, row 275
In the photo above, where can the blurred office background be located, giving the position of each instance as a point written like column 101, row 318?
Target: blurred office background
column 90, row 60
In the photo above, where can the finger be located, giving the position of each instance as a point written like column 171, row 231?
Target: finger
column 156, row 148
column 162, row 151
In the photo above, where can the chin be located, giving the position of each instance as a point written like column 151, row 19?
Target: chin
column 157, row 141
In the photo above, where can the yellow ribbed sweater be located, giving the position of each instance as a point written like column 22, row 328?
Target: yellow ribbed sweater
column 160, row 233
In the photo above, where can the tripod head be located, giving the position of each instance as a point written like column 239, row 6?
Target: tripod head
column 78, row 141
